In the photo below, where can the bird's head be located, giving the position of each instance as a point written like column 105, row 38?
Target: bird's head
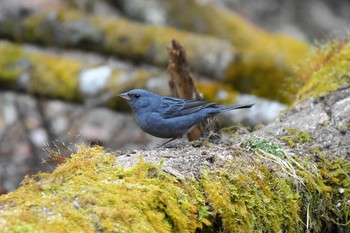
column 140, row 100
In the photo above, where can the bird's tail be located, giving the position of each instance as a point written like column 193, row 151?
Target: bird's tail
column 236, row 106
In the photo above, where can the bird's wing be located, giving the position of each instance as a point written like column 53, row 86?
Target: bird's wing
column 173, row 107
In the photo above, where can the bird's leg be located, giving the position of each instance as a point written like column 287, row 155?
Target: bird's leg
column 166, row 142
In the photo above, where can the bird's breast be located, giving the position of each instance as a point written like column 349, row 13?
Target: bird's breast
column 158, row 126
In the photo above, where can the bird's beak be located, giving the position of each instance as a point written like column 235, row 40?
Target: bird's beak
column 125, row 96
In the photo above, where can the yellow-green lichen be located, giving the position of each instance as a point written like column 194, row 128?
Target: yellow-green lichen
column 216, row 92
column 327, row 191
column 55, row 77
column 296, row 136
column 265, row 190
column 91, row 193
column 49, row 76
column 36, row 29
column 321, row 181
column 130, row 39
column 10, row 63
column 252, row 200
column 327, row 69
column 262, row 75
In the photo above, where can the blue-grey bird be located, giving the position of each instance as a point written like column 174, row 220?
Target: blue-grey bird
column 169, row 117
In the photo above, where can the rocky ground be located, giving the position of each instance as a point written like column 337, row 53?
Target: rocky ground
column 309, row 127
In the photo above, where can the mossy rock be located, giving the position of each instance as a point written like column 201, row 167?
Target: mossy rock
column 58, row 77
column 39, row 74
column 228, row 48
column 90, row 193
column 253, row 191
column 326, row 70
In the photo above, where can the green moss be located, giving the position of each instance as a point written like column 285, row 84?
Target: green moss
column 322, row 183
column 10, row 67
column 216, row 92
column 265, row 146
column 55, row 77
column 141, row 42
column 328, row 192
column 36, row 30
column 258, row 75
column 235, row 130
column 296, row 136
column 253, row 200
column 327, row 69
column 91, row 193
column 49, row 76
column 265, row 190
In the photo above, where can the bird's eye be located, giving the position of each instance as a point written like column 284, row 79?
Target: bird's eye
column 137, row 96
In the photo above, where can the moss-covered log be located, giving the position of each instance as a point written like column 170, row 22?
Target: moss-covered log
column 250, row 59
